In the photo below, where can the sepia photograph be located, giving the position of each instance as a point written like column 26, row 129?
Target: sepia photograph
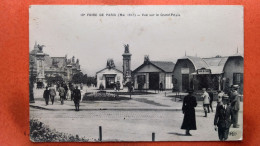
column 116, row 73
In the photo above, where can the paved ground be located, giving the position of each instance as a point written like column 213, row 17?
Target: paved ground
column 127, row 120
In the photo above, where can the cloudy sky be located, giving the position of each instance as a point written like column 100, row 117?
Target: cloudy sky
column 204, row 31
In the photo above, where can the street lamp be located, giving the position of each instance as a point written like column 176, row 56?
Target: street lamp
column 31, row 82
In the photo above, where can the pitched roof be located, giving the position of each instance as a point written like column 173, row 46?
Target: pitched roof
column 166, row 66
column 215, row 64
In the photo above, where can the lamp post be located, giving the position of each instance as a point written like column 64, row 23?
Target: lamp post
column 31, row 82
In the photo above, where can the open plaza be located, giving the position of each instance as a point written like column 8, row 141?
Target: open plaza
column 135, row 118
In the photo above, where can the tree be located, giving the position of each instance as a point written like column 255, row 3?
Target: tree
column 91, row 80
column 85, row 79
column 77, row 78
column 53, row 79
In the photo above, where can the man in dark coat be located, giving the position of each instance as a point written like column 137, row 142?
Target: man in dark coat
column 52, row 94
column 66, row 90
column 46, row 95
column 188, row 109
column 77, row 97
column 235, row 105
column 222, row 119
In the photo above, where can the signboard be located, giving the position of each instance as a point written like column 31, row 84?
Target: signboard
column 185, row 70
column 110, row 75
column 203, row 71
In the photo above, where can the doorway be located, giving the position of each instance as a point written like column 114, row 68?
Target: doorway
column 185, row 82
column 154, row 81
column 110, row 82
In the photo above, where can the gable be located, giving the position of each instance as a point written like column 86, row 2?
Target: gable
column 149, row 68
column 109, row 71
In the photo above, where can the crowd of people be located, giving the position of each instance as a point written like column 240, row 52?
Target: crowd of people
column 66, row 92
column 227, row 110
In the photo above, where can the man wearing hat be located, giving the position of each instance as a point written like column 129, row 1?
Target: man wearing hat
column 77, row 98
column 46, row 95
column 235, row 105
column 188, row 109
column 222, row 120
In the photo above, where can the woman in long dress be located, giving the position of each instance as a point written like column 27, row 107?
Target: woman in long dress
column 188, row 109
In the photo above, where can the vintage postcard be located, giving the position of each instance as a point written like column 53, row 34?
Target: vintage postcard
column 136, row 73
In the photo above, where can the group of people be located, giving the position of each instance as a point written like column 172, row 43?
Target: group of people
column 65, row 93
column 226, row 114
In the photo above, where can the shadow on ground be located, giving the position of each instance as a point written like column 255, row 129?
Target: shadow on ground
column 178, row 134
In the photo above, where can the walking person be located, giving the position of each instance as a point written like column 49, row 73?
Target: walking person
column 205, row 97
column 117, row 88
column 211, row 97
column 161, row 86
column 52, row 94
column 188, row 109
column 77, row 98
column 222, row 120
column 235, row 105
column 66, row 90
column 62, row 94
column 46, row 95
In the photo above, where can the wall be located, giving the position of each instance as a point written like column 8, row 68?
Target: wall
column 165, row 78
column 168, row 81
column 233, row 65
column 146, row 84
column 177, row 72
column 101, row 77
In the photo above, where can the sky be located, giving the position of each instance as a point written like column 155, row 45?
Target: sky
column 203, row 31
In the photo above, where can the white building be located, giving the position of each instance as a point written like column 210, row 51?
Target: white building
column 109, row 76
column 150, row 74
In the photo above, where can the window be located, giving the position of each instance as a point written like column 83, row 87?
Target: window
column 237, row 78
